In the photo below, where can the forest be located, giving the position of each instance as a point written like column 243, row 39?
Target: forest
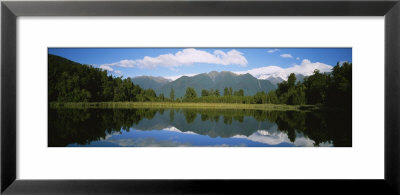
column 69, row 81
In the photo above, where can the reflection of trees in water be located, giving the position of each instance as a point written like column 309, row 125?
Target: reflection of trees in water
column 318, row 126
column 190, row 116
column 171, row 115
column 82, row 126
column 67, row 126
column 228, row 120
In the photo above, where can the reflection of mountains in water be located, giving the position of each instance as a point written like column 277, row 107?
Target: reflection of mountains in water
column 204, row 123
column 270, row 137
column 81, row 126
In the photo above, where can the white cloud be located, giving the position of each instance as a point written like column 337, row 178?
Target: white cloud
column 286, row 55
column 298, row 58
column 185, row 57
column 306, row 68
column 109, row 69
column 105, row 67
column 342, row 62
column 272, row 50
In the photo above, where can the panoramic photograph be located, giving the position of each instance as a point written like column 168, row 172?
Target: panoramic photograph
column 200, row 97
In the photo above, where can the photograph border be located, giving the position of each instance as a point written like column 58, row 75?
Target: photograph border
column 11, row 10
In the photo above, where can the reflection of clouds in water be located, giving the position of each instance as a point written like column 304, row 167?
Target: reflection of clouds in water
column 147, row 142
column 275, row 138
column 151, row 142
column 266, row 138
column 326, row 144
column 108, row 136
column 174, row 129
column 226, row 145
column 271, row 137
column 303, row 141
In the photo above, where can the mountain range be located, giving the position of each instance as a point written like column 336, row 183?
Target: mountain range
column 277, row 74
column 212, row 80
column 149, row 82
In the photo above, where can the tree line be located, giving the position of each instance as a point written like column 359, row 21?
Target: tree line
column 329, row 89
column 73, row 82
column 332, row 89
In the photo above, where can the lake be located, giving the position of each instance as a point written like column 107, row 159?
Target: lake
column 197, row 128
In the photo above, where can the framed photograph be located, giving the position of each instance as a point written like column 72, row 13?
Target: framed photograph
column 199, row 96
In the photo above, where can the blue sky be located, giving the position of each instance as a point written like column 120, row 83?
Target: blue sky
column 170, row 62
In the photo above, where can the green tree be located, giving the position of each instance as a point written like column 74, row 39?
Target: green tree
column 190, row 94
column 108, row 91
column 272, row 98
column 119, row 91
column 260, row 97
column 291, row 80
column 212, row 92
column 289, row 92
column 339, row 93
column 226, row 91
column 161, row 97
column 316, row 87
column 73, row 82
column 204, row 93
column 136, row 91
column 172, row 94
column 216, row 93
column 296, row 95
column 239, row 93
column 150, row 94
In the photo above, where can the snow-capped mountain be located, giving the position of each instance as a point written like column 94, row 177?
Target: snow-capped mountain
column 277, row 74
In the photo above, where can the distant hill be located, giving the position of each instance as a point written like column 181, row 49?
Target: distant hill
column 277, row 79
column 212, row 80
column 300, row 77
column 149, row 82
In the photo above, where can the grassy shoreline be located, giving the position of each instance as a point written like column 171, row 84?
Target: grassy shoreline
column 127, row 105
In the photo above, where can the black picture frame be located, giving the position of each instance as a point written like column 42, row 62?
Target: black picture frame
column 11, row 10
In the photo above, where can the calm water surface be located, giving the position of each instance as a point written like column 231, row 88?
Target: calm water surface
column 197, row 127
